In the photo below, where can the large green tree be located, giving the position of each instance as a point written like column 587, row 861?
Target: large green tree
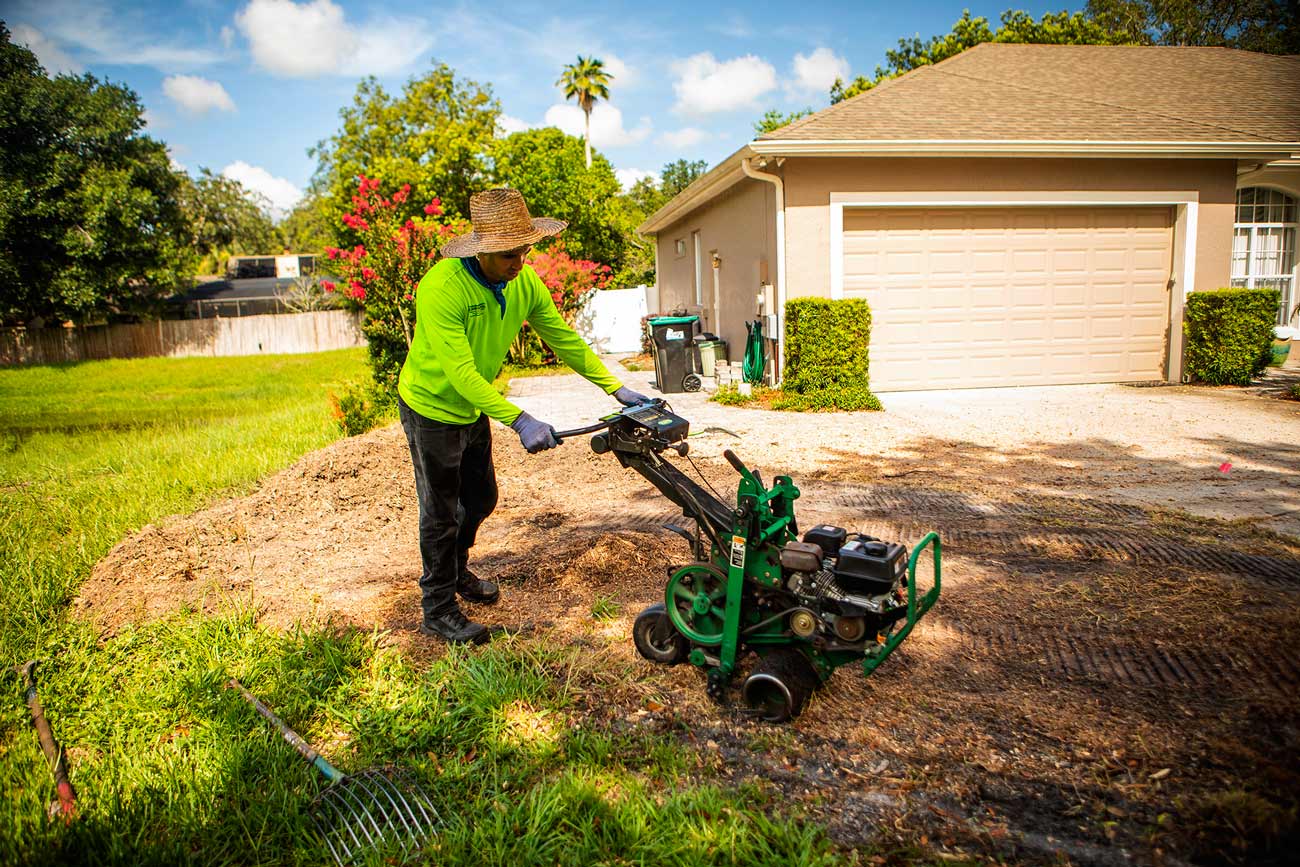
column 1054, row 28
column 90, row 222
column 774, row 119
column 548, row 167
column 586, row 81
column 227, row 219
column 1270, row 26
column 307, row 228
column 436, row 136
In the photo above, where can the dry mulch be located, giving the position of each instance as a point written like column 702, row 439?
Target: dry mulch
column 1062, row 702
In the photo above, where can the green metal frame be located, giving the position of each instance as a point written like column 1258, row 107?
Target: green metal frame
column 915, row 611
column 713, row 591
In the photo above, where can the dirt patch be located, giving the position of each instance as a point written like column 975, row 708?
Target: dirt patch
column 1100, row 681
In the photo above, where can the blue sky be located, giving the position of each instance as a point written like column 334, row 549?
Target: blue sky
column 246, row 88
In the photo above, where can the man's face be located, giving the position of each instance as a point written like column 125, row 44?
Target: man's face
column 505, row 266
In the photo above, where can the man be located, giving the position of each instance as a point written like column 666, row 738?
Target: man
column 469, row 307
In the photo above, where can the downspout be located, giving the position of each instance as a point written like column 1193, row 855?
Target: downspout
column 779, row 184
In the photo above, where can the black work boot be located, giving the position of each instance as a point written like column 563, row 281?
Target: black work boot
column 454, row 627
column 476, row 589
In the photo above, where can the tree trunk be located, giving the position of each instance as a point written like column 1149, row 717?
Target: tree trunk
column 586, row 138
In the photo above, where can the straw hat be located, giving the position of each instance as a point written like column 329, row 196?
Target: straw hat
column 501, row 222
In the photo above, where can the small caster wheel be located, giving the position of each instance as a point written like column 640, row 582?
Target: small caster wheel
column 715, row 686
column 691, row 382
column 657, row 639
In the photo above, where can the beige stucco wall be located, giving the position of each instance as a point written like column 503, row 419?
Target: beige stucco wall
column 1284, row 178
column 810, row 182
column 740, row 225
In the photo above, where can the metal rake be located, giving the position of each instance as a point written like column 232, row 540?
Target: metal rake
column 381, row 810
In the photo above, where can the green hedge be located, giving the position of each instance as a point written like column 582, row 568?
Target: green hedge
column 826, row 355
column 1229, row 334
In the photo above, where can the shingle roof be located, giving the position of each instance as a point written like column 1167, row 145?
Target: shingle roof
column 998, row 92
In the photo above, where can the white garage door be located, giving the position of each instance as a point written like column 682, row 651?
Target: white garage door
column 968, row 297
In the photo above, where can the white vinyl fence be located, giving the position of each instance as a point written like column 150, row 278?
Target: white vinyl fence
column 610, row 320
column 176, row 338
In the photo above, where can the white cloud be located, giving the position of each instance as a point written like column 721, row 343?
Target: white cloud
column 507, row 125
column 282, row 194
column 306, row 40
column 704, row 85
column 197, row 95
column 622, row 76
column 627, row 178
column 606, row 124
column 53, row 58
column 683, row 138
column 816, row 72
column 227, row 38
column 104, row 35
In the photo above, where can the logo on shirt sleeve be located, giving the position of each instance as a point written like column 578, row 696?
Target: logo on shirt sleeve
column 476, row 309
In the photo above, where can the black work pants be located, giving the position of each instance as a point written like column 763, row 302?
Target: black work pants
column 456, row 486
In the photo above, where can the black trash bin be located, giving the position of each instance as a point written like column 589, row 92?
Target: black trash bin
column 675, row 355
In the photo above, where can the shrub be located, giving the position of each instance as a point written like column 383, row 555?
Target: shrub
column 1294, row 392
column 826, row 355
column 364, row 406
column 569, row 281
column 379, row 275
column 1229, row 334
column 729, row 395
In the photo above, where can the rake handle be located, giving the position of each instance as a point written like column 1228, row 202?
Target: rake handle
column 67, row 795
column 306, row 750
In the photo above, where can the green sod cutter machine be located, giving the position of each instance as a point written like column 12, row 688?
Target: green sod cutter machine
column 804, row 606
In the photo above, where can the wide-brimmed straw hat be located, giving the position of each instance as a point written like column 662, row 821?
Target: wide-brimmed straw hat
column 501, row 222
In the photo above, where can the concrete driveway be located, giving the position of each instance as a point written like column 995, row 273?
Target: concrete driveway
column 1214, row 452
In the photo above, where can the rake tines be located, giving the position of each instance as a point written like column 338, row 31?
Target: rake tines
column 379, row 810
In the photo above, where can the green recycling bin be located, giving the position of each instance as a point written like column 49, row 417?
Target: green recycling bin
column 712, row 353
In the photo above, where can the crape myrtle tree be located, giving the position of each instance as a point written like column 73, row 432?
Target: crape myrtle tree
column 91, row 225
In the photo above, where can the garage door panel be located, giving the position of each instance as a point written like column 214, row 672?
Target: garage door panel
column 1011, row 296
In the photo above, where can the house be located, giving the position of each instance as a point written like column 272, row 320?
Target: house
column 1015, row 215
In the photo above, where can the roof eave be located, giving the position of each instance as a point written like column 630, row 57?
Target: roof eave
column 725, row 174
column 1025, row 148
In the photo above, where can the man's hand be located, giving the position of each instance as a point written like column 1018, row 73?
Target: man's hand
column 628, row 397
column 537, row 436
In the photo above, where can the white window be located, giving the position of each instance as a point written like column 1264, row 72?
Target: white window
column 1263, row 245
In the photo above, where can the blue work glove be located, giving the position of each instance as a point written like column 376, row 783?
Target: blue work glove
column 628, row 397
column 536, row 435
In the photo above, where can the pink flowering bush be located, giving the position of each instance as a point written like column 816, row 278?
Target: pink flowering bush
column 378, row 275
column 569, row 280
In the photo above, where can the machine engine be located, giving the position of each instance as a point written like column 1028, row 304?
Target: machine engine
column 851, row 587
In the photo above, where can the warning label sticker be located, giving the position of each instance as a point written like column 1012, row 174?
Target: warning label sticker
column 738, row 552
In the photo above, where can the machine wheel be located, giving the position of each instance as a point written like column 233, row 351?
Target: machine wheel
column 656, row 639
column 780, row 684
column 691, row 382
column 695, row 600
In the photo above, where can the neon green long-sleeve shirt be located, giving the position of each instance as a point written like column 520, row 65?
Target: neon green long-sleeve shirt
column 462, row 337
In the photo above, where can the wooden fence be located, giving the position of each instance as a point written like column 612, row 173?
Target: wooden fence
column 176, row 338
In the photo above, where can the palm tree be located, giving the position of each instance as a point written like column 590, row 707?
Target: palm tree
column 588, row 81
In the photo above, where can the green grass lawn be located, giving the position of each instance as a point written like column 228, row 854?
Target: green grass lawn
column 172, row 768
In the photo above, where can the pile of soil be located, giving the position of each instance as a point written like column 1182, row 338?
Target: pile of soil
column 1099, row 681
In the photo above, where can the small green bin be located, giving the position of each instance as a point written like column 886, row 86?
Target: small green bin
column 712, row 353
